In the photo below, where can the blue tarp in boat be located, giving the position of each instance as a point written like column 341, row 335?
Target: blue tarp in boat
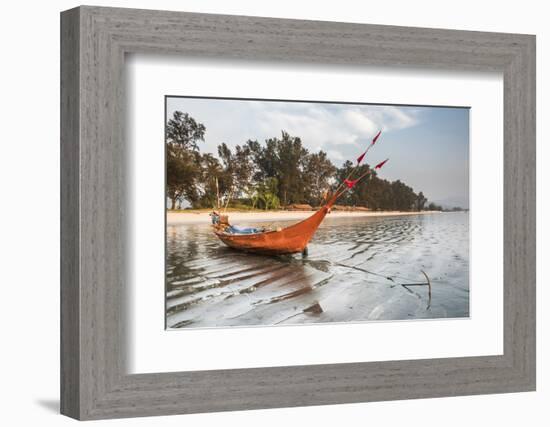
column 235, row 229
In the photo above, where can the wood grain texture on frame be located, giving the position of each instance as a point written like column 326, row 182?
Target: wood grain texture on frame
column 94, row 234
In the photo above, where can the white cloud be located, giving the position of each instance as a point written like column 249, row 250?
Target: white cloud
column 319, row 125
column 322, row 124
column 335, row 154
column 359, row 122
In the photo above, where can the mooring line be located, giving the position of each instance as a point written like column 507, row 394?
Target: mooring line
column 391, row 279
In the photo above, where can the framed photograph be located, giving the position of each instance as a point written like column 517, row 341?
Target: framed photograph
column 262, row 213
column 300, row 227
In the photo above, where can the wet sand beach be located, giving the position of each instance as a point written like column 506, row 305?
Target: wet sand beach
column 343, row 279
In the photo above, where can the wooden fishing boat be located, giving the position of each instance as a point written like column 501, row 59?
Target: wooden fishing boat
column 292, row 239
column 289, row 240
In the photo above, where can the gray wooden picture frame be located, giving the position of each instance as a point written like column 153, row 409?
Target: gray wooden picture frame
column 94, row 41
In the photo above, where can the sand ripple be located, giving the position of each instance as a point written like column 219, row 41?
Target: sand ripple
column 210, row 285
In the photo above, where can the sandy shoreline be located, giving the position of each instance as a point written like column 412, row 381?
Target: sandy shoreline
column 177, row 218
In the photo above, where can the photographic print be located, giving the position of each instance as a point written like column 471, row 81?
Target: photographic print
column 283, row 212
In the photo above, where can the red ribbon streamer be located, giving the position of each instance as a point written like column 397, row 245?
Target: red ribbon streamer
column 379, row 165
column 376, row 137
column 350, row 184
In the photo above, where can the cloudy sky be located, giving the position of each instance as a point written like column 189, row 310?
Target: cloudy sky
column 427, row 146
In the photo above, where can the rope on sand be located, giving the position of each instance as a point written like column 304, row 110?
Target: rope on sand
column 428, row 282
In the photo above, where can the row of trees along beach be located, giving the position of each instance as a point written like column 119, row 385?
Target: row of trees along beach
column 276, row 174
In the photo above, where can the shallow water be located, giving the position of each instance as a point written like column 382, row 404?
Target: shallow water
column 354, row 271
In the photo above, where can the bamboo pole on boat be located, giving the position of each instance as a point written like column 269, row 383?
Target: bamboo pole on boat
column 337, row 195
column 359, row 160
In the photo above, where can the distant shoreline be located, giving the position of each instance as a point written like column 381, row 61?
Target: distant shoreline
column 236, row 217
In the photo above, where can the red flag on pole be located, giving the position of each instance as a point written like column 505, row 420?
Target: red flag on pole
column 376, row 137
column 350, row 184
column 379, row 165
column 360, row 158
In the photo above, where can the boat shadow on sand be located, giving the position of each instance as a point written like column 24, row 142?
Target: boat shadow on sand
column 233, row 288
column 237, row 288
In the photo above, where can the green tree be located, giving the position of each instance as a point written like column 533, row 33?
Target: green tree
column 212, row 182
column 403, row 196
column 265, row 194
column 184, row 131
column 376, row 193
column 379, row 193
column 284, row 159
column 181, row 174
column 183, row 158
column 433, row 207
column 318, row 174
column 238, row 169
column 266, row 175
column 420, row 201
column 359, row 194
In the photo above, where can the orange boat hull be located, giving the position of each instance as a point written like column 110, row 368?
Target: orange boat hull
column 289, row 240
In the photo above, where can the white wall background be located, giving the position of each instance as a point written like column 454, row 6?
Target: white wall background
column 29, row 212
